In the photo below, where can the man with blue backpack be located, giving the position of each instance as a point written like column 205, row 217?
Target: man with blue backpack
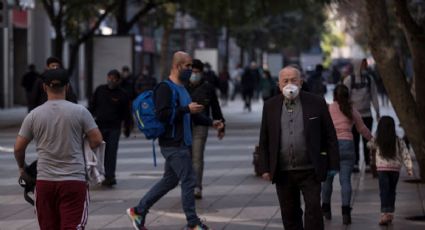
column 174, row 109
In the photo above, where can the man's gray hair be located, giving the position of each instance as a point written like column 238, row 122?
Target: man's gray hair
column 297, row 71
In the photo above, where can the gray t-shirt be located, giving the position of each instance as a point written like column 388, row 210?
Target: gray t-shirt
column 57, row 127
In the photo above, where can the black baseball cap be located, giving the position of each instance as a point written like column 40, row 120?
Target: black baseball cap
column 52, row 59
column 56, row 78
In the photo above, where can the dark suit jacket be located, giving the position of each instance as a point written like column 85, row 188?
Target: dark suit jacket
column 319, row 131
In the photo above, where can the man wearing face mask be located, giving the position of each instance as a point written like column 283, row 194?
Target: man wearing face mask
column 202, row 92
column 110, row 106
column 298, row 146
column 175, row 144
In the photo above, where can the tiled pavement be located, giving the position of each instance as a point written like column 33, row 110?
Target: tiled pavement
column 233, row 197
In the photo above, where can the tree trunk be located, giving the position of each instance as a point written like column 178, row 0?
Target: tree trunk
column 394, row 80
column 242, row 56
column 415, row 37
column 227, row 51
column 121, row 17
column 72, row 64
column 73, row 58
column 163, row 62
column 417, row 49
column 58, row 43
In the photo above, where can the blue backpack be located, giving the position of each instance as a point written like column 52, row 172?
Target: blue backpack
column 144, row 112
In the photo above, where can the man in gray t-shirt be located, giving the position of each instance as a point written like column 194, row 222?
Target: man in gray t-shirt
column 57, row 126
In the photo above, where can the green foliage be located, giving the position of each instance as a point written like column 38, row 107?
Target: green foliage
column 265, row 24
column 330, row 38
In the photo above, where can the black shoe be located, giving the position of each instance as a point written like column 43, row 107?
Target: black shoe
column 346, row 215
column 198, row 193
column 326, row 210
column 109, row 182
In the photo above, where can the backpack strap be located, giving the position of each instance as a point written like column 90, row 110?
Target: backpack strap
column 353, row 81
column 173, row 100
column 368, row 79
column 173, row 115
column 173, row 105
column 154, row 152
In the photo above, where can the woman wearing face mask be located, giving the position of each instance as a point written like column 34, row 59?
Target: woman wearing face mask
column 202, row 92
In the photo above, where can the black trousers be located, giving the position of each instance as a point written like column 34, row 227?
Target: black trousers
column 247, row 97
column 111, row 136
column 289, row 184
column 368, row 121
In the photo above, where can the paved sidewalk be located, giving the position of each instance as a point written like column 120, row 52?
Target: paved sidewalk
column 12, row 117
column 234, row 199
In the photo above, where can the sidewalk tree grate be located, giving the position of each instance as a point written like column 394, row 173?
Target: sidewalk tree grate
column 414, row 181
column 416, row 218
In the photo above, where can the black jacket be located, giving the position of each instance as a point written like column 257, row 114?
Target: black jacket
column 28, row 80
column 250, row 79
column 319, row 131
column 204, row 94
column 111, row 107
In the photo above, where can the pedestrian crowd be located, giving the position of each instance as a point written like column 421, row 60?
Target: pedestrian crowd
column 303, row 141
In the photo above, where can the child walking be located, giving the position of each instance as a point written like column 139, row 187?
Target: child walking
column 391, row 152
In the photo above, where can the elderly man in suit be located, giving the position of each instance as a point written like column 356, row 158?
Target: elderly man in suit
column 298, row 146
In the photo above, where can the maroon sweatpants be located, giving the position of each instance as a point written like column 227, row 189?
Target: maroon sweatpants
column 61, row 204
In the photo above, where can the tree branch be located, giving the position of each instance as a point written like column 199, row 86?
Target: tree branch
column 49, row 9
column 407, row 20
column 148, row 7
column 90, row 33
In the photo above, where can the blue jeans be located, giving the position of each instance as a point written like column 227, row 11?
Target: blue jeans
column 111, row 137
column 199, row 137
column 178, row 167
column 347, row 159
column 387, row 187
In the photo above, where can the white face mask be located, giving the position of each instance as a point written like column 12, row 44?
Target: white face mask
column 290, row 91
column 195, row 78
